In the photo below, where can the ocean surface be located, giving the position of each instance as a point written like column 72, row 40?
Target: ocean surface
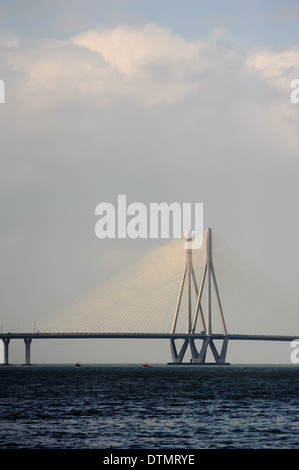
column 162, row 407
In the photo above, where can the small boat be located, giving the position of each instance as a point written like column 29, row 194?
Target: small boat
column 145, row 366
column 77, row 364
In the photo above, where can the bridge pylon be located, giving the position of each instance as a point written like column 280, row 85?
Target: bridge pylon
column 208, row 279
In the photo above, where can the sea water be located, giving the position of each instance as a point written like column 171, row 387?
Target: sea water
column 161, row 407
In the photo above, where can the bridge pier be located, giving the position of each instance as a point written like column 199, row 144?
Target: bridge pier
column 199, row 357
column 27, row 342
column 6, row 343
column 177, row 358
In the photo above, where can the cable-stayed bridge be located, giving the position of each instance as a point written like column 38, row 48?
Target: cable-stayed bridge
column 194, row 297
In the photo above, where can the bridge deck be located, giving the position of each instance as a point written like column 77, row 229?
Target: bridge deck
column 145, row 336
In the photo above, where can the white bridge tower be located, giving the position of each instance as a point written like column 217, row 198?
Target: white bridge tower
column 208, row 278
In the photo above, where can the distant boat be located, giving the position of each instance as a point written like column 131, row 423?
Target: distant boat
column 77, row 364
column 145, row 366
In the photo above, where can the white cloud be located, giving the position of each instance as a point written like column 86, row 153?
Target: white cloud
column 57, row 91
column 130, row 49
column 276, row 68
column 156, row 65
column 151, row 65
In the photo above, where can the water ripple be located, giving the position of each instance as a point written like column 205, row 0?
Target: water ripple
column 161, row 407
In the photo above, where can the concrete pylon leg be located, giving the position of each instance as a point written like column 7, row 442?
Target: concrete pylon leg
column 27, row 350
column 178, row 357
column 219, row 358
column 6, row 343
column 201, row 356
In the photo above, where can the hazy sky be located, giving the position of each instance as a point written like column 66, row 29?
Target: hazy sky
column 168, row 100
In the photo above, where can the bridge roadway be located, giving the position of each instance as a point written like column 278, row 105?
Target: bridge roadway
column 6, row 336
column 28, row 337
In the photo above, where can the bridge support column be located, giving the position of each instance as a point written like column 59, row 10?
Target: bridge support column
column 6, row 343
column 208, row 280
column 177, row 358
column 199, row 357
column 27, row 350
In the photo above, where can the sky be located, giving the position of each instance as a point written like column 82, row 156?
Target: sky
column 185, row 101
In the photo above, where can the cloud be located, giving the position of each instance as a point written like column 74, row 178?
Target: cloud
column 278, row 69
column 150, row 64
column 156, row 65
column 129, row 50
column 68, row 99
